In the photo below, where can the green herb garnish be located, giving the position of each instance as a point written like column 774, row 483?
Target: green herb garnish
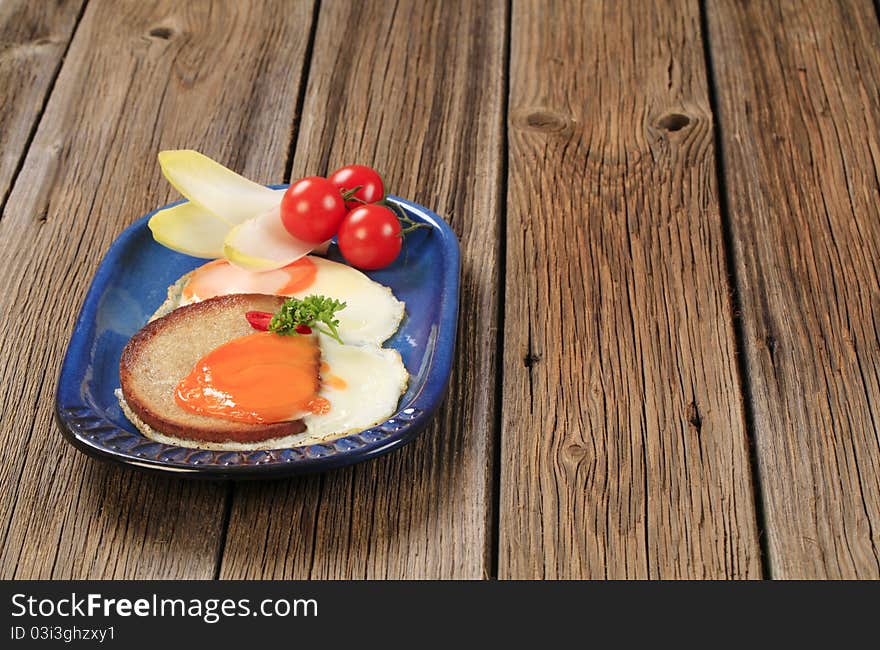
column 312, row 312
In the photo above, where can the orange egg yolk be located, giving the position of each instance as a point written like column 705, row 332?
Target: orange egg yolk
column 220, row 278
column 259, row 378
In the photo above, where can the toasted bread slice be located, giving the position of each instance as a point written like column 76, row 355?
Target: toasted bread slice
column 165, row 351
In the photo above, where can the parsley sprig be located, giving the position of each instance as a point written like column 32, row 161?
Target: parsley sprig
column 315, row 312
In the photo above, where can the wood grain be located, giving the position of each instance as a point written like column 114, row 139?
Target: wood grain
column 624, row 453
column 139, row 77
column 414, row 88
column 33, row 38
column 798, row 86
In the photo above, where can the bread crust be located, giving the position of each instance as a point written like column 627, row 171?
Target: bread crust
column 171, row 345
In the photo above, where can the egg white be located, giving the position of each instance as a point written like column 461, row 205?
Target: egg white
column 372, row 313
column 374, row 377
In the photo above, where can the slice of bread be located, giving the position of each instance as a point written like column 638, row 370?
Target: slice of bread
column 165, row 350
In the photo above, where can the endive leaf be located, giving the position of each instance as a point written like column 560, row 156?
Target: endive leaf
column 220, row 191
column 190, row 229
column 263, row 243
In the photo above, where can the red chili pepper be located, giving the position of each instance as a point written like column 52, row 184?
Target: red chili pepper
column 303, row 329
column 259, row 320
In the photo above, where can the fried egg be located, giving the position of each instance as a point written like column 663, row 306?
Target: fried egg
column 371, row 315
column 360, row 387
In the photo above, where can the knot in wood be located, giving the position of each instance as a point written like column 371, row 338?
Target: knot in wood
column 162, row 32
column 530, row 359
column 575, row 453
column 694, row 418
column 543, row 120
column 673, row 122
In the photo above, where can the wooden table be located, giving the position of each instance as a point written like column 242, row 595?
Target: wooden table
column 669, row 343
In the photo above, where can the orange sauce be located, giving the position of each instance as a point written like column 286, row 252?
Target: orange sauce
column 334, row 381
column 319, row 406
column 258, row 378
column 220, row 278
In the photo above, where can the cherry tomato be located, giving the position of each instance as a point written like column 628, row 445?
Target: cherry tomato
column 351, row 176
column 312, row 209
column 369, row 237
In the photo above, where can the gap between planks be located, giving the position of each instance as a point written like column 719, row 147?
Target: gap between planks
column 495, row 515
column 745, row 385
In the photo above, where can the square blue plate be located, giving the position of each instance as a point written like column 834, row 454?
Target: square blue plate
column 132, row 282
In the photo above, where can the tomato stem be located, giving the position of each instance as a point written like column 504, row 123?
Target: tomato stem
column 404, row 219
column 414, row 226
column 349, row 195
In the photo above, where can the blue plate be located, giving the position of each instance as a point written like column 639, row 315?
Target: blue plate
column 132, row 282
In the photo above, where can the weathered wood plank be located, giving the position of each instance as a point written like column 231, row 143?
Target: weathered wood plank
column 798, row 86
column 33, row 38
column 415, row 89
column 624, row 452
column 139, row 77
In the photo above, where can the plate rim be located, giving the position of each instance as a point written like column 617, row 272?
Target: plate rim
column 76, row 418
